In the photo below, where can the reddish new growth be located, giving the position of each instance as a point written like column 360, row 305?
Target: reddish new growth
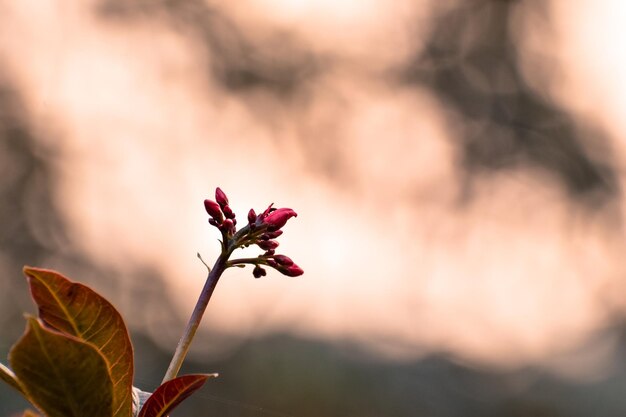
column 261, row 230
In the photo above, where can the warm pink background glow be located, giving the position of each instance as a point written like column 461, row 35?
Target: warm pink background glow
column 520, row 274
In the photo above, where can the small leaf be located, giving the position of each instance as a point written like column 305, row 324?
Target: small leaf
column 172, row 393
column 9, row 377
column 77, row 310
column 63, row 376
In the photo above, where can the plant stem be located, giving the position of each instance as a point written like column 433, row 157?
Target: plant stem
column 194, row 321
column 252, row 261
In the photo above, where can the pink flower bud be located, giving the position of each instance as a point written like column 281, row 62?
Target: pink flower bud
column 292, row 271
column 267, row 244
column 251, row 216
column 220, row 197
column 277, row 218
column 228, row 212
column 283, row 260
column 213, row 209
column 228, row 226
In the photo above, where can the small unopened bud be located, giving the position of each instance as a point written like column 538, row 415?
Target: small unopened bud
column 266, row 244
column 283, row 260
column 251, row 217
column 212, row 222
column 228, row 212
column 220, row 197
column 213, row 209
column 259, row 272
column 228, row 226
column 269, row 253
column 292, row 271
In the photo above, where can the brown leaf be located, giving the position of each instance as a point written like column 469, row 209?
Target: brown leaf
column 172, row 393
column 77, row 310
column 9, row 377
column 62, row 375
column 30, row 413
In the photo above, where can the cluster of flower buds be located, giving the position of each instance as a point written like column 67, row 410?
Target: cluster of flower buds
column 261, row 230
column 221, row 214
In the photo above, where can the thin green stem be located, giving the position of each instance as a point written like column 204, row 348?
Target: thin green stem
column 196, row 316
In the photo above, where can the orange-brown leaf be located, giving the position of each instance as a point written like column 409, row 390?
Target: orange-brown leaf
column 9, row 377
column 62, row 375
column 172, row 393
column 77, row 310
column 30, row 413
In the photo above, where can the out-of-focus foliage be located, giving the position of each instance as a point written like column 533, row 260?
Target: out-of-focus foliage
column 288, row 377
column 471, row 62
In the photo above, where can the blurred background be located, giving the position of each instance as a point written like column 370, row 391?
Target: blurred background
column 457, row 168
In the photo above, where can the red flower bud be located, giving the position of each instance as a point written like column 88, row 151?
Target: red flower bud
column 228, row 212
column 213, row 209
column 283, row 260
column 267, row 244
column 220, row 197
column 251, row 216
column 277, row 219
column 292, row 271
column 228, row 226
column 258, row 272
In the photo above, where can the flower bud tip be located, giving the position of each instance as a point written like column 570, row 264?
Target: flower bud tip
column 213, row 209
column 220, row 197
